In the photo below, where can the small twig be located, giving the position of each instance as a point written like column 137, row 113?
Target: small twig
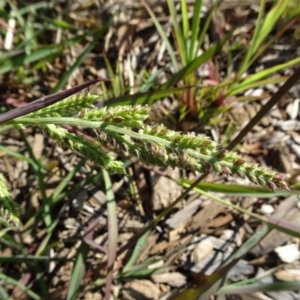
column 266, row 108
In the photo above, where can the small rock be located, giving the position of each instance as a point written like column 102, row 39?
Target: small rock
column 267, row 209
column 288, row 253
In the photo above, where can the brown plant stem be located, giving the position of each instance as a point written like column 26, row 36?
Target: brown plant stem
column 44, row 101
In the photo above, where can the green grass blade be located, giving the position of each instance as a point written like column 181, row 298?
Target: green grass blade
column 112, row 233
column 15, row 154
column 16, row 13
column 234, row 189
column 142, row 270
column 19, row 285
column 267, row 44
column 56, row 196
column 258, row 287
column 185, row 23
column 150, row 81
column 269, row 23
column 29, row 36
column 262, row 30
column 260, row 75
column 118, row 81
column 245, row 63
column 21, row 60
column 194, row 65
column 136, row 252
column 163, row 35
column 114, row 76
column 64, row 79
column 33, row 7
column 3, row 293
column 195, row 30
column 32, row 259
column 271, row 221
column 207, row 22
column 259, row 83
column 41, row 180
column 62, row 24
column 142, row 98
column 181, row 43
column 78, row 272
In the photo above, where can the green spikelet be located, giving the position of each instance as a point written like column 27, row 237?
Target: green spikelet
column 9, row 210
column 68, row 107
column 87, row 148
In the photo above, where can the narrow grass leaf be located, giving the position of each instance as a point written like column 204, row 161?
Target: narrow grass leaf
column 142, row 98
column 63, row 24
column 19, row 285
column 163, row 35
column 136, row 251
column 142, row 270
column 253, row 78
column 207, row 22
column 4, row 231
column 267, row 44
column 17, row 13
column 234, row 189
column 245, row 63
column 283, row 226
column 15, row 154
column 118, row 81
column 37, row 168
column 78, row 272
column 32, row 259
column 240, row 289
column 194, row 65
column 55, row 197
column 192, row 49
column 269, row 23
column 112, row 232
column 21, row 60
column 180, row 39
column 3, row 293
column 292, row 229
column 185, row 23
column 255, row 84
column 149, row 83
column 33, row 7
column 65, row 77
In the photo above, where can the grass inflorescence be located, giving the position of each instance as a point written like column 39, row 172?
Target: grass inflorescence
column 124, row 129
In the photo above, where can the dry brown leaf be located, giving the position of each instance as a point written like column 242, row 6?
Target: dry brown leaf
column 140, row 290
column 288, row 275
column 174, row 279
